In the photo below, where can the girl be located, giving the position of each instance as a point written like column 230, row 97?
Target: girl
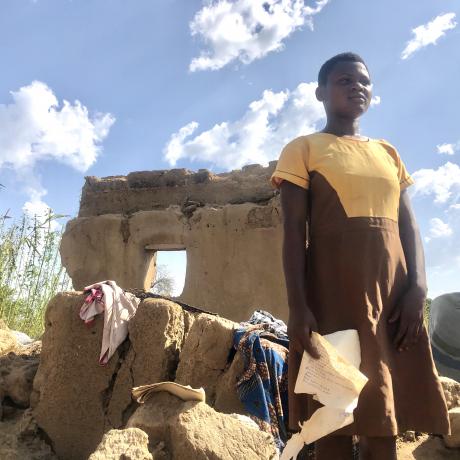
column 363, row 268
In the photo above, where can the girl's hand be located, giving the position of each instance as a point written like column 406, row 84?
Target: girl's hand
column 300, row 326
column 409, row 312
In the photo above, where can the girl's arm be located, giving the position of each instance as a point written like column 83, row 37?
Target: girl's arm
column 410, row 307
column 412, row 244
column 294, row 205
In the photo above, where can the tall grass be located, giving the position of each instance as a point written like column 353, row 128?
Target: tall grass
column 30, row 270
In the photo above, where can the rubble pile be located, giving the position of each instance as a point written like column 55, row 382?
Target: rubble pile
column 80, row 409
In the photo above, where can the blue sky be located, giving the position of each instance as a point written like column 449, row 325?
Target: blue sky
column 219, row 84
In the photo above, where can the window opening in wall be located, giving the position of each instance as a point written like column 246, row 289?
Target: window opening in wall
column 170, row 273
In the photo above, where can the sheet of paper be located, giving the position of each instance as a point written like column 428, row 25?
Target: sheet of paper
column 322, row 420
column 332, row 379
column 335, row 381
column 184, row 392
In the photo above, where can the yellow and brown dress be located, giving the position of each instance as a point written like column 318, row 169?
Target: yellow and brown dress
column 356, row 271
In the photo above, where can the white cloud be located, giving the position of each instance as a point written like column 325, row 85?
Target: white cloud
column 175, row 148
column 257, row 137
column 246, row 30
column 448, row 149
column 443, row 242
column 43, row 130
column 438, row 229
column 443, row 183
column 376, row 100
column 35, row 127
column 35, row 206
column 442, row 237
column 429, row 34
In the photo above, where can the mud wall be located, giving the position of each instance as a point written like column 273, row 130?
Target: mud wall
column 229, row 224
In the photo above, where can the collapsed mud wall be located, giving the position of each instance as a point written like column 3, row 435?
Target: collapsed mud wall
column 75, row 400
column 229, row 225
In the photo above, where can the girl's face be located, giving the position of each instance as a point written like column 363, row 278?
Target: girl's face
column 348, row 90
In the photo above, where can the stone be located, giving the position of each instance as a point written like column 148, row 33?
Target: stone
column 128, row 444
column 156, row 335
column 31, row 438
column 71, row 390
column 153, row 417
column 17, row 372
column 227, row 399
column 22, row 338
column 451, row 391
column 8, row 445
column 453, row 440
column 20, row 439
column 8, row 341
column 224, row 438
column 195, row 430
column 205, row 354
column 75, row 400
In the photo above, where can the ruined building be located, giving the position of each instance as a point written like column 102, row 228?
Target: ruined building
column 229, row 225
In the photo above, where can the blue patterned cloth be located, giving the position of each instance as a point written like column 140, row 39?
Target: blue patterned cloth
column 263, row 388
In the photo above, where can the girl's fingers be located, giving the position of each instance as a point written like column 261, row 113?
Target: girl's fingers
column 418, row 330
column 395, row 315
column 402, row 331
column 312, row 351
column 309, row 346
column 409, row 337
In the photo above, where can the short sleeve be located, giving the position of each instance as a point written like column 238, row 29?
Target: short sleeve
column 293, row 164
column 405, row 179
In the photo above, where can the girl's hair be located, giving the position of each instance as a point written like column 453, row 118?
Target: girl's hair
column 327, row 67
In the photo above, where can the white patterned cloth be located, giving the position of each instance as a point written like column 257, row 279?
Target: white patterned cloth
column 275, row 326
column 118, row 307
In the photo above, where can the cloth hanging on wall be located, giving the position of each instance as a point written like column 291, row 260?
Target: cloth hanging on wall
column 118, row 308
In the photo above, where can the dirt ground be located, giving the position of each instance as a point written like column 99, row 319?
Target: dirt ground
column 20, row 438
column 426, row 447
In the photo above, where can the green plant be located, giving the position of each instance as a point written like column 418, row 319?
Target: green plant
column 30, row 270
column 426, row 313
